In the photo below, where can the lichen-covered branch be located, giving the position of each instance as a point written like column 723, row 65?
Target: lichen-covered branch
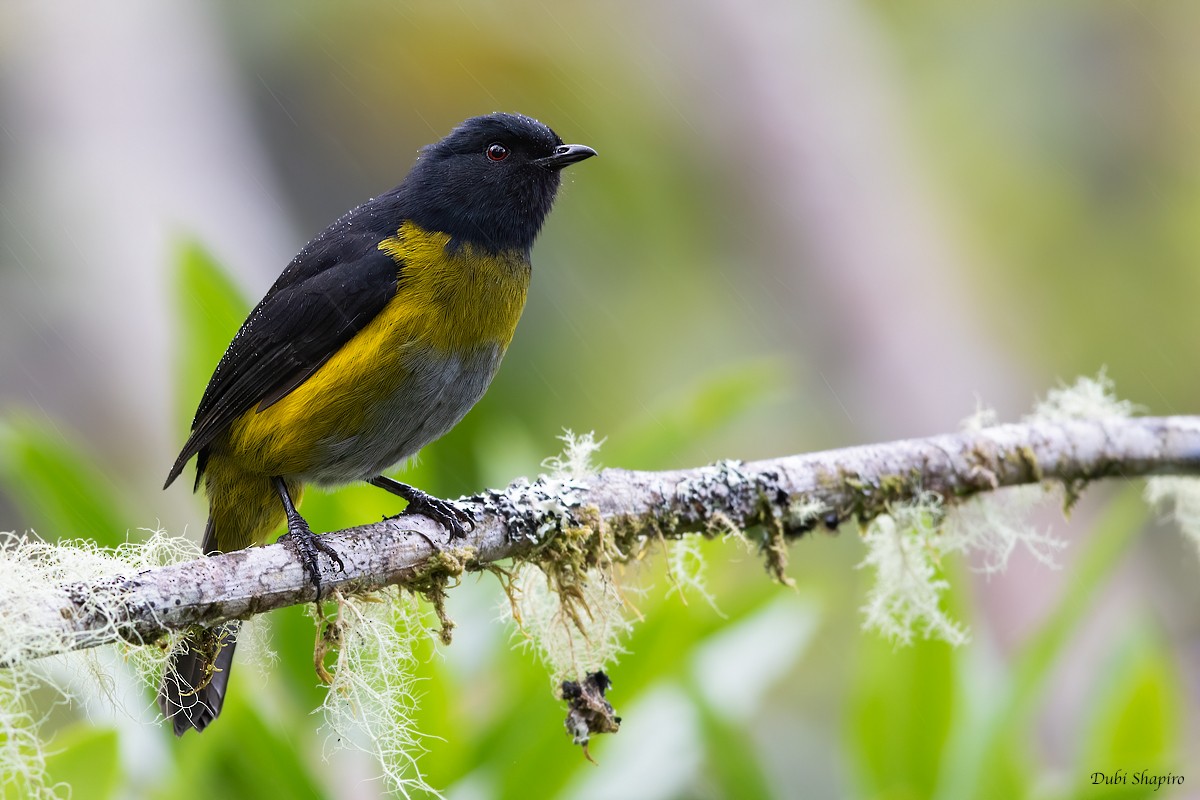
column 612, row 515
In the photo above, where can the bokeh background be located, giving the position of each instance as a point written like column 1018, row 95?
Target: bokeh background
column 813, row 223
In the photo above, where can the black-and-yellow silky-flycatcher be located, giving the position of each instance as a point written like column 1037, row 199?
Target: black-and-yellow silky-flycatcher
column 376, row 340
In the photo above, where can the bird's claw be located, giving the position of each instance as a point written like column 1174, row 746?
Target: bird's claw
column 306, row 545
column 455, row 519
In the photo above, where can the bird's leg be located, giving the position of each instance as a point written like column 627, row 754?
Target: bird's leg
column 443, row 512
column 302, row 540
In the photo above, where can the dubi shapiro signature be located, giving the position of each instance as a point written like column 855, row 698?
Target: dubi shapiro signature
column 1124, row 777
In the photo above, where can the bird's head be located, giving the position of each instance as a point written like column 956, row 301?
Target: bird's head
column 490, row 182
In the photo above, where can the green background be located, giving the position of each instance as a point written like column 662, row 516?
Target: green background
column 811, row 224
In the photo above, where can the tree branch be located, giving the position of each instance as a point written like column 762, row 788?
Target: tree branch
column 831, row 487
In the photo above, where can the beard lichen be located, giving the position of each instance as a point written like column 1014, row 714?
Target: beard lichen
column 1086, row 398
column 907, row 542
column 34, row 574
column 22, row 752
column 371, row 701
column 905, row 548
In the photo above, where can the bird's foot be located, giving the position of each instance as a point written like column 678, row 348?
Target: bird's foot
column 302, row 540
column 306, row 544
column 446, row 513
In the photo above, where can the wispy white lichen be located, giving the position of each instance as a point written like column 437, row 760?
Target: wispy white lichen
column 907, row 545
column 33, row 573
column 905, row 548
column 984, row 417
column 1087, row 398
column 990, row 528
column 803, row 513
column 577, row 462
column 32, row 576
column 687, row 571
column 1182, row 496
column 22, row 752
column 573, row 638
column 371, row 704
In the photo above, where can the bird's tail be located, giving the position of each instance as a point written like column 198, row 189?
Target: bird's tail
column 197, row 674
column 243, row 510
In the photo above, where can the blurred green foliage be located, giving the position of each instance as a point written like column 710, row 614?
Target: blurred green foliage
column 57, row 485
column 85, row 758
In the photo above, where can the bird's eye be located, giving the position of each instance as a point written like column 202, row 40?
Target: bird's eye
column 497, row 152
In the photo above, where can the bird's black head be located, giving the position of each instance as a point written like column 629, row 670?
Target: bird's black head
column 490, row 182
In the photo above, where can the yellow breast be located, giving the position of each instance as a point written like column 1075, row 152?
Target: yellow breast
column 457, row 305
column 456, row 298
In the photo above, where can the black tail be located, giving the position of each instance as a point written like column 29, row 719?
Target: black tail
column 197, row 674
column 193, row 687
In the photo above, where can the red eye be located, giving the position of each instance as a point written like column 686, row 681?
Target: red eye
column 497, row 152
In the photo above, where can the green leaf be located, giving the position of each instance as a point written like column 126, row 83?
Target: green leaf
column 734, row 767
column 59, row 488
column 902, row 704
column 86, row 759
column 735, row 672
column 1135, row 724
column 1115, row 529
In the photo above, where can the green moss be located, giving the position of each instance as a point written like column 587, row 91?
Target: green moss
column 719, row 524
column 1072, row 491
column 1030, row 461
column 775, row 550
column 434, row 576
column 569, row 555
column 897, row 487
column 868, row 498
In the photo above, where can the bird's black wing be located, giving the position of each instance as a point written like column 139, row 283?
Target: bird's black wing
column 329, row 292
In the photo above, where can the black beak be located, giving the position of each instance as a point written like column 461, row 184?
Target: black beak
column 565, row 154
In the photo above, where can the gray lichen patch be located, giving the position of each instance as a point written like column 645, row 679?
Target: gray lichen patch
column 533, row 511
column 729, row 499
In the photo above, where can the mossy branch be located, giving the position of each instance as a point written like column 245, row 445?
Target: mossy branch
column 611, row 516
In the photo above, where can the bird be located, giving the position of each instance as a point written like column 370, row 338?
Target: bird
column 375, row 340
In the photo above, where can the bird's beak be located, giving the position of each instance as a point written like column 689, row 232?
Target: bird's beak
column 565, row 154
